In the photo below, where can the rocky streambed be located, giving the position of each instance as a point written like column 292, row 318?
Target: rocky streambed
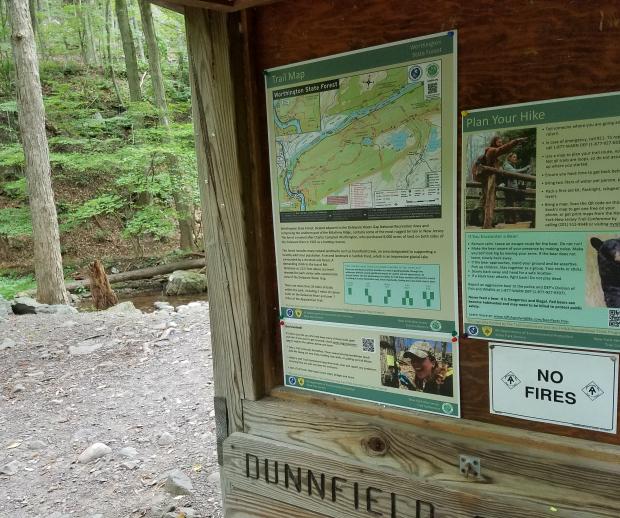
column 108, row 414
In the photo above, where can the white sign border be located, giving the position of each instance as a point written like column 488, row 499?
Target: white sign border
column 612, row 430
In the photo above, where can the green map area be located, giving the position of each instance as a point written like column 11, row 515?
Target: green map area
column 377, row 133
column 297, row 114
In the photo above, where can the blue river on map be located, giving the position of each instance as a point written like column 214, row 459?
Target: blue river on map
column 284, row 125
column 323, row 134
column 434, row 140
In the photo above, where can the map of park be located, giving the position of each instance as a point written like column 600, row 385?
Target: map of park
column 374, row 142
column 299, row 114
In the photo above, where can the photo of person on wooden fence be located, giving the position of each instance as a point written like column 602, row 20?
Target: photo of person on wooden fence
column 501, row 179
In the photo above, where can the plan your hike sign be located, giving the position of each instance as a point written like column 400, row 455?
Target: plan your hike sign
column 565, row 387
column 541, row 232
column 363, row 179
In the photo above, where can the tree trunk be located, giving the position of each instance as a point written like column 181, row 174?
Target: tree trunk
column 100, row 289
column 157, row 78
column 86, row 36
column 185, row 219
column 138, row 40
column 91, row 48
column 32, row 9
column 182, row 204
column 108, row 23
column 46, row 239
column 129, row 50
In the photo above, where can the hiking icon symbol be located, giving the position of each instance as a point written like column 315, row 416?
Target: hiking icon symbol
column 592, row 390
column 511, row 380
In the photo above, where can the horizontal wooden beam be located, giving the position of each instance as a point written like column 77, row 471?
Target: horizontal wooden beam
column 338, row 484
column 532, row 471
column 466, row 429
column 240, row 503
column 168, row 5
column 226, row 6
column 478, row 185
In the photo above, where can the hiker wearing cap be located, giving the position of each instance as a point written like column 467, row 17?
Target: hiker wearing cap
column 430, row 376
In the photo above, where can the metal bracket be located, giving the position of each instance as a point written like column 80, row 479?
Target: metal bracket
column 470, row 466
column 221, row 426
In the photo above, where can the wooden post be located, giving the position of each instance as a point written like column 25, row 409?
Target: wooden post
column 224, row 220
column 489, row 198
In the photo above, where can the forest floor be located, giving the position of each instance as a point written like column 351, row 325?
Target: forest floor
column 140, row 383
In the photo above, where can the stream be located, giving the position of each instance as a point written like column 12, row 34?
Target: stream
column 143, row 300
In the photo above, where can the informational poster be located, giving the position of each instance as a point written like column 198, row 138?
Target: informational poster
column 541, row 225
column 565, row 387
column 363, row 155
column 400, row 369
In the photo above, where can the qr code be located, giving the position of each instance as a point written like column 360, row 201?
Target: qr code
column 431, row 88
column 368, row 345
column 614, row 318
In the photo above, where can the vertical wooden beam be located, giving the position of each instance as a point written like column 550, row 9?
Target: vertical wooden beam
column 248, row 81
column 225, row 232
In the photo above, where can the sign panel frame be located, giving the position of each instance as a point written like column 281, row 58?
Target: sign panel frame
column 513, row 386
column 555, row 296
column 365, row 248
column 336, row 348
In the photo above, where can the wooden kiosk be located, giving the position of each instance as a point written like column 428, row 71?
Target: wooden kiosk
column 290, row 453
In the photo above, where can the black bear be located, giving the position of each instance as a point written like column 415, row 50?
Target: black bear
column 609, row 269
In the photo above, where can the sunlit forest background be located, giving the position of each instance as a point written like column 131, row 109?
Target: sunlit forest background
column 123, row 160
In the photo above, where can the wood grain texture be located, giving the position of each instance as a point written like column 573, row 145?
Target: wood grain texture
column 256, row 200
column 364, row 412
column 169, row 5
column 511, row 52
column 244, row 504
column 226, row 6
column 220, row 182
column 452, row 495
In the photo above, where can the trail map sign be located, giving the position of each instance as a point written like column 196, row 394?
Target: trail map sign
column 541, row 232
column 570, row 388
column 362, row 149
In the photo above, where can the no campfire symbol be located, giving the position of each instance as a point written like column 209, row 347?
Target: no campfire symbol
column 511, row 380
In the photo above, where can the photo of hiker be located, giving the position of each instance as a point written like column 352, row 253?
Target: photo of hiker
column 501, row 179
column 602, row 279
column 417, row 365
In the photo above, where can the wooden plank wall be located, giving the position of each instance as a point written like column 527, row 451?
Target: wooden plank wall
column 228, row 242
column 509, row 52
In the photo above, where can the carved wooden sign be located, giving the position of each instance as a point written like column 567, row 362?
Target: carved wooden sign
column 328, row 485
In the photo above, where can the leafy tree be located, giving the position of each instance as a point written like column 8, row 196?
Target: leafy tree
column 123, row 171
column 47, row 258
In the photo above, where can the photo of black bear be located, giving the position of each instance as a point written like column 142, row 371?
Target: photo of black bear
column 608, row 256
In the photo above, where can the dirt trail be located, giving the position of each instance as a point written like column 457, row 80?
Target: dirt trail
column 135, row 380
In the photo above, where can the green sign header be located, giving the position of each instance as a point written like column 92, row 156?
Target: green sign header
column 548, row 112
column 381, row 56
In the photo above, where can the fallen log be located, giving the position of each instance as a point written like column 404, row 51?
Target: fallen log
column 142, row 273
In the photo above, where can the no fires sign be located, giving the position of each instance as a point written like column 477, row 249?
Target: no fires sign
column 565, row 387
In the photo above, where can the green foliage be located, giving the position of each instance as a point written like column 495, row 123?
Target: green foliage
column 151, row 221
column 109, row 157
column 11, row 284
column 102, row 205
column 11, row 155
column 15, row 222
column 16, row 189
column 8, row 106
